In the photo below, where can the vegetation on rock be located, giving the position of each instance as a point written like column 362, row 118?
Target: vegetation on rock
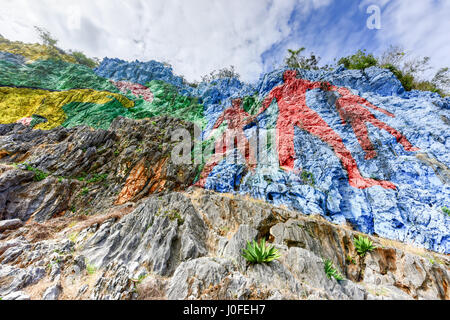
column 296, row 60
column 409, row 71
column 260, row 253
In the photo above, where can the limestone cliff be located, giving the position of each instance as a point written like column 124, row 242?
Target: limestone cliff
column 92, row 204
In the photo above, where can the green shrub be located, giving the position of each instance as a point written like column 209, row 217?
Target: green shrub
column 410, row 70
column 331, row 271
column 175, row 215
column 39, row 175
column 359, row 61
column 82, row 59
column 260, row 253
column 308, row 177
column 363, row 245
column 407, row 80
column 446, row 210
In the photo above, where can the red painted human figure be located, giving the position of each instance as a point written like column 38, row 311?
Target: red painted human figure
column 237, row 119
column 352, row 109
column 293, row 111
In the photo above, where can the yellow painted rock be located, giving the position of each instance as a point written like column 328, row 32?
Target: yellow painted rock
column 18, row 103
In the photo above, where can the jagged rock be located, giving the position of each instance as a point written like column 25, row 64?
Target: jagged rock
column 33, row 51
column 52, row 293
column 52, row 75
column 136, row 89
column 406, row 272
column 48, row 198
column 234, row 247
column 194, row 239
column 82, row 290
column 114, row 283
column 79, row 263
column 18, row 295
column 207, row 278
column 10, row 224
column 308, row 268
column 152, row 288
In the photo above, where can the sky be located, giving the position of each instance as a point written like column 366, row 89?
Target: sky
column 199, row 36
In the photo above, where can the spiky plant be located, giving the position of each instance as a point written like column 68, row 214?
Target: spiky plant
column 260, row 253
column 331, row 271
column 363, row 245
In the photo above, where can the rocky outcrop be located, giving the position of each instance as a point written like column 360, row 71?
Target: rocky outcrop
column 80, row 170
column 355, row 147
column 10, row 224
column 189, row 246
column 33, row 51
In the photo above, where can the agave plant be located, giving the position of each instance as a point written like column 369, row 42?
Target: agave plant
column 363, row 245
column 331, row 271
column 260, row 253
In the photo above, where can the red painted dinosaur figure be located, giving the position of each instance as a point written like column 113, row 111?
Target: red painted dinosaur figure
column 293, row 111
column 352, row 110
column 237, row 119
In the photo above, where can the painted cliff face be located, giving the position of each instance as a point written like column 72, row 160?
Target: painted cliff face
column 342, row 144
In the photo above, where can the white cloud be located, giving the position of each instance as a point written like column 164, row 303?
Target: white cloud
column 196, row 36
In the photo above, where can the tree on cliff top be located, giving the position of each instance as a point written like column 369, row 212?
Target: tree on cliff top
column 46, row 37
column 223, row 73
column 296, row 60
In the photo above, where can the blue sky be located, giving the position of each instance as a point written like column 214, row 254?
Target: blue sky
column 332, row 31
column 198, row 36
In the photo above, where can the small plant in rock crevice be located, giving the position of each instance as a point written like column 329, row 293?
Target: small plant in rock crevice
column 331, row 271
column 39, row 175
column 260, row 253
column 363, row 245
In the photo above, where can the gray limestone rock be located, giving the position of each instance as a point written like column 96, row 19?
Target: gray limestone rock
column 10, row 224
column 52, row 292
